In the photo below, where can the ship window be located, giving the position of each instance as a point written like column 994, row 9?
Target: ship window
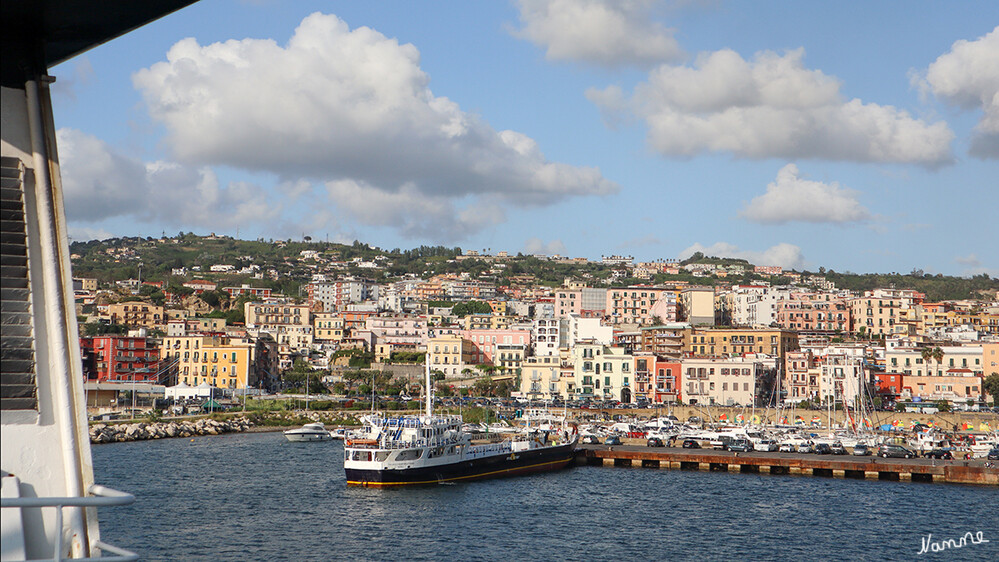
column 380, row 456
column 409, row 454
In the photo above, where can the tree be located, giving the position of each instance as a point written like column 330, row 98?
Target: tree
column 991, row 386
column 301, row 372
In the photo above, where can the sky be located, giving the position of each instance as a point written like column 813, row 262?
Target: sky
column 858, row 137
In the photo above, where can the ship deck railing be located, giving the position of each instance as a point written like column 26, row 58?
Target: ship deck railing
column 101, row 496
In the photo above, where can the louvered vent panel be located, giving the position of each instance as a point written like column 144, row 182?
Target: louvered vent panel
column 17, row 355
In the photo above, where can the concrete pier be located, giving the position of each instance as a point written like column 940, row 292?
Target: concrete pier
column 860, row 468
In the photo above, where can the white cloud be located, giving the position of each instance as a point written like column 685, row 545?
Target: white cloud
column 785, row 255
column 336, row 104
column 603, row 32
column 412, row 213
column 971, row 260
column 968, row 77
column 774, row 107
column 99, row 183
column 792, row 198
column 536, row 246
column 84, row 234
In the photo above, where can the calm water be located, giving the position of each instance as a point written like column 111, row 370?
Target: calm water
column 258, row 497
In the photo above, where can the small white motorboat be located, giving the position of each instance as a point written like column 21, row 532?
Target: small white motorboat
column 315, row 431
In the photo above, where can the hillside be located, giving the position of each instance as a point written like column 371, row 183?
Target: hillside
column 118, row 259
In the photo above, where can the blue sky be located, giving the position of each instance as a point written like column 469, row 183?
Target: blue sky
column 858, row 137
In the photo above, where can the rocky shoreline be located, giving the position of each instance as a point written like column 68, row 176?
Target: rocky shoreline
column 117, row 433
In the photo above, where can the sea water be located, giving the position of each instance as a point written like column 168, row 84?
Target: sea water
column 259, row 497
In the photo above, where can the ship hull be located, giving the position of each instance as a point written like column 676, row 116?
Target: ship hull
column 497, row 466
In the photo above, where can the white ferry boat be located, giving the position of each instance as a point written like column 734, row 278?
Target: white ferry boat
column 430, row 449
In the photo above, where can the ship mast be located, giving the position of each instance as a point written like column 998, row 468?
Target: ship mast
column 429, row 394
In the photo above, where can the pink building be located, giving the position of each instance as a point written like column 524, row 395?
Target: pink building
column 486, row 343
column 813, row 312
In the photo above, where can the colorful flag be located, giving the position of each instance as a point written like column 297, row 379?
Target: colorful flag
column 783, row 420
column 984, row 426
column 723, row 417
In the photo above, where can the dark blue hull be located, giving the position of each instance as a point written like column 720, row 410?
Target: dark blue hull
column 498, row 466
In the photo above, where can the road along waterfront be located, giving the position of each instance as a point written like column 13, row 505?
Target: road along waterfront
column 254, row 496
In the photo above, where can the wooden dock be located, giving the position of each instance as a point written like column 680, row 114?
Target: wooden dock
column 860, row 468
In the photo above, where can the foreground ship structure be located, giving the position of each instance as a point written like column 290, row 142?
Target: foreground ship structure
column 49, row 497
column 431, row 449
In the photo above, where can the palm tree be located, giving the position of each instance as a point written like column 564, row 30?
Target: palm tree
column 938, row 356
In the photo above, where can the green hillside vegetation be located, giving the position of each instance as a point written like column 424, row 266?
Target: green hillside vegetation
column 119, row 258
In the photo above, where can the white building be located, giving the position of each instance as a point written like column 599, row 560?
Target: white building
column 716, row 380
column 575, row 329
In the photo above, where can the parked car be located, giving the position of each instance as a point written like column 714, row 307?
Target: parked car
column 655, row 442
column 768, row 445
column 861, row 450
column 741, row 446
column 822, row 449
column 691, row 444
column 994, row 454
column 787, row 448
column 591, row 440
column 722, row 443
column 613, row 440
column 939, row 454
column 837, row 448
column 806, row 447
column 896, row 452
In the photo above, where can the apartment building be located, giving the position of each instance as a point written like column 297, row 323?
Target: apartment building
column 632, row 305
column 801, row 377
column 289, row 324
column 115, row 358
column 327, row 327
column 737, row 341
column 137, row 314
column 667, row 340
column 603, row 372
column 450, row 354
column 221, row 361
column 814, row 312
column 715, row 380
column 697, row 306
column 842, row 380
column 540, row 377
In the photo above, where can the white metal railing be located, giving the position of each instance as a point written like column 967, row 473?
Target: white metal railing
column 101, row 497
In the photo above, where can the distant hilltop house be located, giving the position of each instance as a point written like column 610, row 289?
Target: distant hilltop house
column 617, row 260
column 309, row 254
column 768, row 269
column 222, row 268
column 179, row 271
column 244, row 289
column 200, row 285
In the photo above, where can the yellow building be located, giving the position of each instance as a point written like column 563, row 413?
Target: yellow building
column 449, row 354
column 486, row 322
column 539, row 379
column 213, row 360
column 990, row 359
column 136, row 314
column 697, row 305
column 875, row 316
column 737, row 341
column 327, row 326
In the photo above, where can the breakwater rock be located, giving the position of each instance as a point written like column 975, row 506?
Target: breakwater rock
column 106, row 433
